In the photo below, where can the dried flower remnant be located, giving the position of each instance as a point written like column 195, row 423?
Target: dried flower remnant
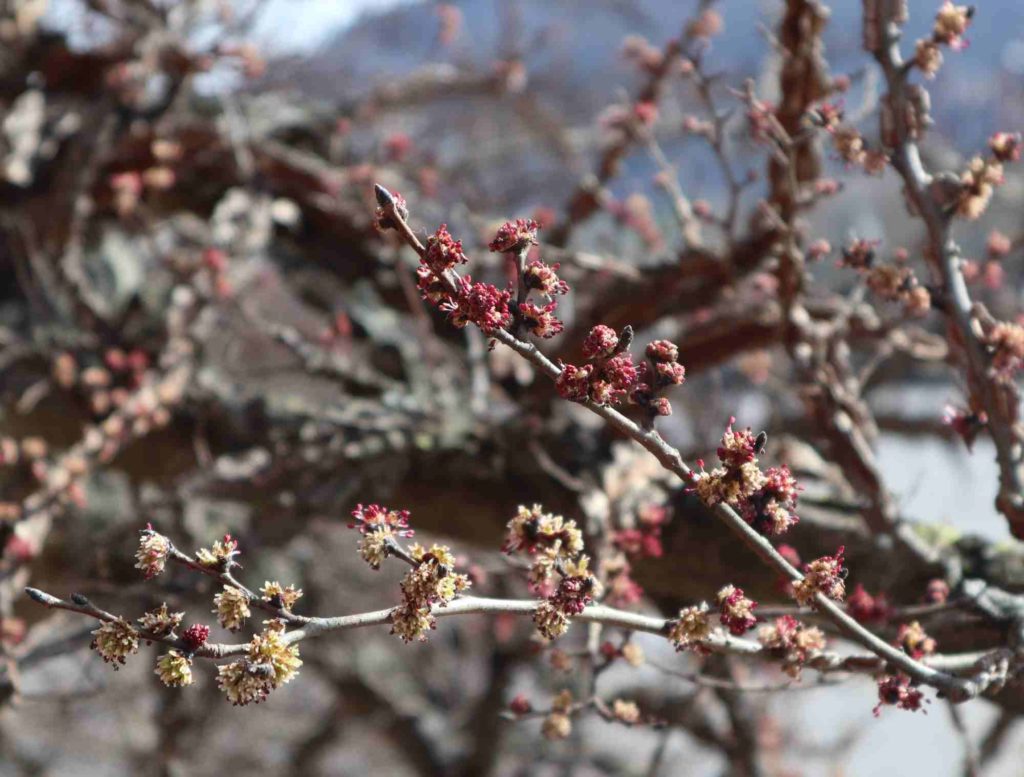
column 433, row 582
column 691, row 628
column 791, row 641
column 160, row 622
column 232, row 608
column 221, row 555
column 914, row 641
column 825, row 576
column 115, row 641
column 736, row 611
column 279, row 596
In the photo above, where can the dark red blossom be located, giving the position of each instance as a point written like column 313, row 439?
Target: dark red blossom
column 896, row 691
column 194, row 637
column 520, row 705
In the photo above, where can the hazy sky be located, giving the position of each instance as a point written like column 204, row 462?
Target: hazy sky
column 289, row 25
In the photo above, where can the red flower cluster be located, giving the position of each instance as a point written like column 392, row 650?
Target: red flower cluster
column 645, row 538
column 478, row 303
column 766, row 500
column 540, row 321
column 515, row 236
column 865, row 608
column 736, row 611
column 376, row 517
column 896, row 691
column 771, row 510
column 194, row 637
column 611, row 377
column 825, row 575
column 443, row 251
column 543, row 277
column 791, row 641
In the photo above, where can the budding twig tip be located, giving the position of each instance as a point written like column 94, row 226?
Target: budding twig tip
column 384, row 197
column 39, row 596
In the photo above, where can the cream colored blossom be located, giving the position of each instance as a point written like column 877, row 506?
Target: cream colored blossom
column 232, row 608
column 174, row 670
column 115, row 641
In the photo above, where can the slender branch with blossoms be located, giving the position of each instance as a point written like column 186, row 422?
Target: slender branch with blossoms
column 992, row 351
column 443, row 287
column 433, row 589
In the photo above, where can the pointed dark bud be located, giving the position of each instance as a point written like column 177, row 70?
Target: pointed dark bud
column 384, row 197
column 43, row 598
column 625, row 339
column 80, row 599
column 760, row 442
